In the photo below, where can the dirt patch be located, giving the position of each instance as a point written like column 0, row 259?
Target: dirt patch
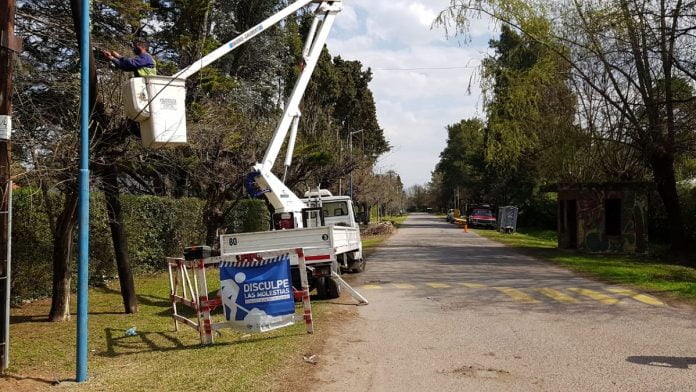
column 17, row 383
column 476, row 371
column 301, row 372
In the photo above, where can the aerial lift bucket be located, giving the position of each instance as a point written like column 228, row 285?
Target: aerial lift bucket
column 158, row 103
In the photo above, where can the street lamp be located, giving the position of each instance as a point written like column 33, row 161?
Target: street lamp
column 351, row 156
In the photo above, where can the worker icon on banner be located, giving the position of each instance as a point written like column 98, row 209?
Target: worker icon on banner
column 229, row 290
column 257, row 294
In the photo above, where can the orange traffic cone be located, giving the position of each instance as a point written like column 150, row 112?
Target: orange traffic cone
column 466, row 227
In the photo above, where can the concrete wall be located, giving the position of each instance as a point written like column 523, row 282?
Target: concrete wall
column 591, row 233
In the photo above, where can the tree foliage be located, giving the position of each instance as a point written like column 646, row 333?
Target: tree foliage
column 629, row 67
column 233, row 108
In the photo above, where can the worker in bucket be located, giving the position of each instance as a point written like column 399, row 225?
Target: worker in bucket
column 142, row 64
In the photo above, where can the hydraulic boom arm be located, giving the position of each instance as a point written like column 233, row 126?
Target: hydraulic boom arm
column 241, row 39
column 278, row 194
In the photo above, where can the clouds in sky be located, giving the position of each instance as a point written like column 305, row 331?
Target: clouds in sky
column 413, row 105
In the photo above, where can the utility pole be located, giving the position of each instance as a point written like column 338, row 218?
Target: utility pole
column 351, row 157
column 9, row 46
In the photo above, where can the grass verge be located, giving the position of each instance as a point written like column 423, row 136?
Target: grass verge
column 657, row 274
column 157, row 358
column 371, row 242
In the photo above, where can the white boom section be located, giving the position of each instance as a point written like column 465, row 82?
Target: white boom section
column 330, row 9
column 279, row 195
column 244, row 37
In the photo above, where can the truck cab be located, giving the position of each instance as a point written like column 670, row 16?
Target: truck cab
column 338, row 211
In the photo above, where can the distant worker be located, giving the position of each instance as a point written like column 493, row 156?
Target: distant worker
column 142, row 64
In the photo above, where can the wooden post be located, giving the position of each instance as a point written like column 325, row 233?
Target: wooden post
column 9, row 46
column 309, row 321
column 206, row 323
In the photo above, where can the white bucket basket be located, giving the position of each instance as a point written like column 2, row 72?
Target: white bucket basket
column 158, row 103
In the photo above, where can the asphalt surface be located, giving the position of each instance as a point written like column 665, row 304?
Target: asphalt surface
column 455, row 312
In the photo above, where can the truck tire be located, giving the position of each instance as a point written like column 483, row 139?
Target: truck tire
column 333, row 289
column 359, row 267
column 327, row 288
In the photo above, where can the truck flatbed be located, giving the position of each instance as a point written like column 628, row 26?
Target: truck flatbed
column 321, row 244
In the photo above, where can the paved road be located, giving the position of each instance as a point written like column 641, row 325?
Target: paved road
column 455, row 312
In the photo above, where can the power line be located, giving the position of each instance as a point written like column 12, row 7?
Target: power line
column 425, row 68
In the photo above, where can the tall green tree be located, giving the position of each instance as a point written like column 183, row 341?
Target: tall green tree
column 626, row 57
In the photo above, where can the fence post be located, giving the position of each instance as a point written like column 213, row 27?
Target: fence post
column 206, row 324
column 305, row 291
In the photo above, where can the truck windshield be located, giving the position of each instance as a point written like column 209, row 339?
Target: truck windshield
column 331, row 209
column 483, row 212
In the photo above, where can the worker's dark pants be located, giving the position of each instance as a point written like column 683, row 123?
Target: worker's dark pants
column 134, row 128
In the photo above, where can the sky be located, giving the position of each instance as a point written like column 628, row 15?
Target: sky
column 413, row 105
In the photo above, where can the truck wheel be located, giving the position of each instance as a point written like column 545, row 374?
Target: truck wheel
column 359, row 267
column 327, row 288
column 333, row 289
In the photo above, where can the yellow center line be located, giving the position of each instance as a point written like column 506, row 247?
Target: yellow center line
column 371, row 287
column 637, row 296
column 473, row 285
column 596, row 295
column 517, row 295
column 404, row 286
column 558, row 295
column 439, row 285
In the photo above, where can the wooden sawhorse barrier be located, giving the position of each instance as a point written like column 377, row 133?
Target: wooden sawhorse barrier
column 189, row 287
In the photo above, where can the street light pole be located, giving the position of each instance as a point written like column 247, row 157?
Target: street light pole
column 83, row 235
column 351, row 156
column 10, row 45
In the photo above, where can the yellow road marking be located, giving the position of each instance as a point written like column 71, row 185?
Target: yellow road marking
column 404, row 286
column 371, row 287
column 517, row 295
column 596, row 295
column 637, row 296
column 439, row 285
column 473, row 285
column 558, row 295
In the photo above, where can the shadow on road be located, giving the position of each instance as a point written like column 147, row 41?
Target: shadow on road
column 669, row 362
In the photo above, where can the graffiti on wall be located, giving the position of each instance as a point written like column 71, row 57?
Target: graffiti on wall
column 592, row 235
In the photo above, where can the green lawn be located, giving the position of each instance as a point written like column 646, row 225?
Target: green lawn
column 157, row 358
column 656, row 274
column 397, row 220
column 370, row 243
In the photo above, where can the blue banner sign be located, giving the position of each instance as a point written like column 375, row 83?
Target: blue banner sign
column 257, row 292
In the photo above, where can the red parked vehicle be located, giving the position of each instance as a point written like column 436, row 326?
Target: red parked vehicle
column 482, row 217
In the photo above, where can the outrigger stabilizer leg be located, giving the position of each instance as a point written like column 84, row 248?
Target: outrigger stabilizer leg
column 353, row 293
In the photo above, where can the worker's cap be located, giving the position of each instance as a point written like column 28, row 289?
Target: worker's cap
column 141, row 43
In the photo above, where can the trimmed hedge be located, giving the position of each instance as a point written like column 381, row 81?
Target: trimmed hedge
column 659, row 224
column 32, row 246
column 156, row 227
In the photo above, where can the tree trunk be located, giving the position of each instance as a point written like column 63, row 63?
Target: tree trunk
column 119, row 239
column 213, row 217
column 62, row 256
column 65, row 225
column 663, row 171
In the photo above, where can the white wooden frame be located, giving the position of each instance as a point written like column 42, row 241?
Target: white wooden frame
column 194, row 292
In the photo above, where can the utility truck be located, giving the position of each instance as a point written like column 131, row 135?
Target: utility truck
column 322, row 224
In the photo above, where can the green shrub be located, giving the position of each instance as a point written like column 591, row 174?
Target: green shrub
column 538, row 213
column 158, row 227
column 658, row 222
column 101, row 249
column 32, row 246
column 250, row 215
